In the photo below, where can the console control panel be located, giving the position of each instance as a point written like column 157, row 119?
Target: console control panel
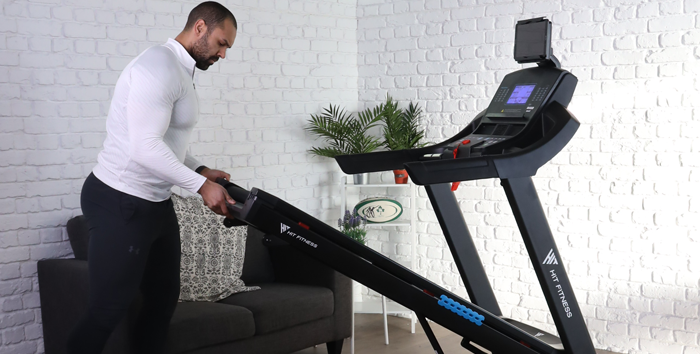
column 514, row 107
column 522, row 93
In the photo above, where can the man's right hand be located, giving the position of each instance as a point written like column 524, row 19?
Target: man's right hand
column 215, row 197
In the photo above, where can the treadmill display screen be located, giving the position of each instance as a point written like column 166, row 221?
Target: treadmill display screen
column 520, row 94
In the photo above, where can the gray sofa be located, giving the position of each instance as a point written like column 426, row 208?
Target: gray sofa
column 301, row 303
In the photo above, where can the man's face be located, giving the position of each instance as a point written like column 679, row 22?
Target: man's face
column 212, row 44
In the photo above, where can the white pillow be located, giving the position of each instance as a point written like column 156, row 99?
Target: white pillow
column 212, row 254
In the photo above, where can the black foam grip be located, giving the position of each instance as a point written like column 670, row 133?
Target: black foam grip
column 236, row 192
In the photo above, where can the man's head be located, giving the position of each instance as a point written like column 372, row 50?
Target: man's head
column 210, row 30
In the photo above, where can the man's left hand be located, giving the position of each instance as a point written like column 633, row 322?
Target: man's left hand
column 212, row 175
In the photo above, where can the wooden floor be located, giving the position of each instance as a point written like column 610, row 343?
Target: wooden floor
column 369, row 338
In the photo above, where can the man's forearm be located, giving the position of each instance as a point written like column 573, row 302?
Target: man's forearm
column 154, row 155
column 192, row 162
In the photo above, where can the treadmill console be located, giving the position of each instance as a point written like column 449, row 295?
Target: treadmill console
column 522, row 93
column 515, row 111
column 527, row 111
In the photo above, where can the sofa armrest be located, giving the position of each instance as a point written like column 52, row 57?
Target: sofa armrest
column 293, row 266
column 63, row 292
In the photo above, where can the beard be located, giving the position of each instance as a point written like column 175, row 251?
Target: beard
column 200, row 53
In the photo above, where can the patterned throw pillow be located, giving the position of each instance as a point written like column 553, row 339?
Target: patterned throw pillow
column 212, row 255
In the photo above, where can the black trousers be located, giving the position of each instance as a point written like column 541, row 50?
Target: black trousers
column 134, row 246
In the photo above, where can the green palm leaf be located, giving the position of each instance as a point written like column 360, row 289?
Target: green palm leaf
column 402, row 127
column 343, row 132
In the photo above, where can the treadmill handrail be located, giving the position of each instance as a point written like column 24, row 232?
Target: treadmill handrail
column 394, row 160
column 520, row 163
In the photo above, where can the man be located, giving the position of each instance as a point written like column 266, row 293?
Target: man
column 134, row 235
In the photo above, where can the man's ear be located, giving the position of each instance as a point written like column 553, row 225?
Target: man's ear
column 200, row 28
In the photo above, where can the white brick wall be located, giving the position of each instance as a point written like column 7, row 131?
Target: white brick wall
column 622, row 199
column 59, row 61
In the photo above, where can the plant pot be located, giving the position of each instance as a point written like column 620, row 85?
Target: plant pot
column 400, row 176
column 360, row 178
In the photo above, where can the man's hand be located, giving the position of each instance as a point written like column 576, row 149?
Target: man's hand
column 212, row 175
column 215, row 197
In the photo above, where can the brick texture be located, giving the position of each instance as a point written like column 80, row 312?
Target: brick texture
column 622, row 198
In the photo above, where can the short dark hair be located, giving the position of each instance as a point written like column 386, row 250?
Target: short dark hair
column 213, row 14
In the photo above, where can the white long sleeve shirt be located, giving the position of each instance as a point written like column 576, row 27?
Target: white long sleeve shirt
column 153, row 112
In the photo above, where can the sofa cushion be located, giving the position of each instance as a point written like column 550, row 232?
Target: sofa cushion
column 200, row 324
column 280, row 305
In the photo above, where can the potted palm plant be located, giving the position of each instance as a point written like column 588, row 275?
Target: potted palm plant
column 345, row 133
column 401, row 130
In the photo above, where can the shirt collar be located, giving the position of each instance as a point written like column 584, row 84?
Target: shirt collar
column 182, row 55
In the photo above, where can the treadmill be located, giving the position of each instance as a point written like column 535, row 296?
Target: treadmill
column 526, row 124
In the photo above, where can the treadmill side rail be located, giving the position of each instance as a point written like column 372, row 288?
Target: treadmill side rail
column 359, row 262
